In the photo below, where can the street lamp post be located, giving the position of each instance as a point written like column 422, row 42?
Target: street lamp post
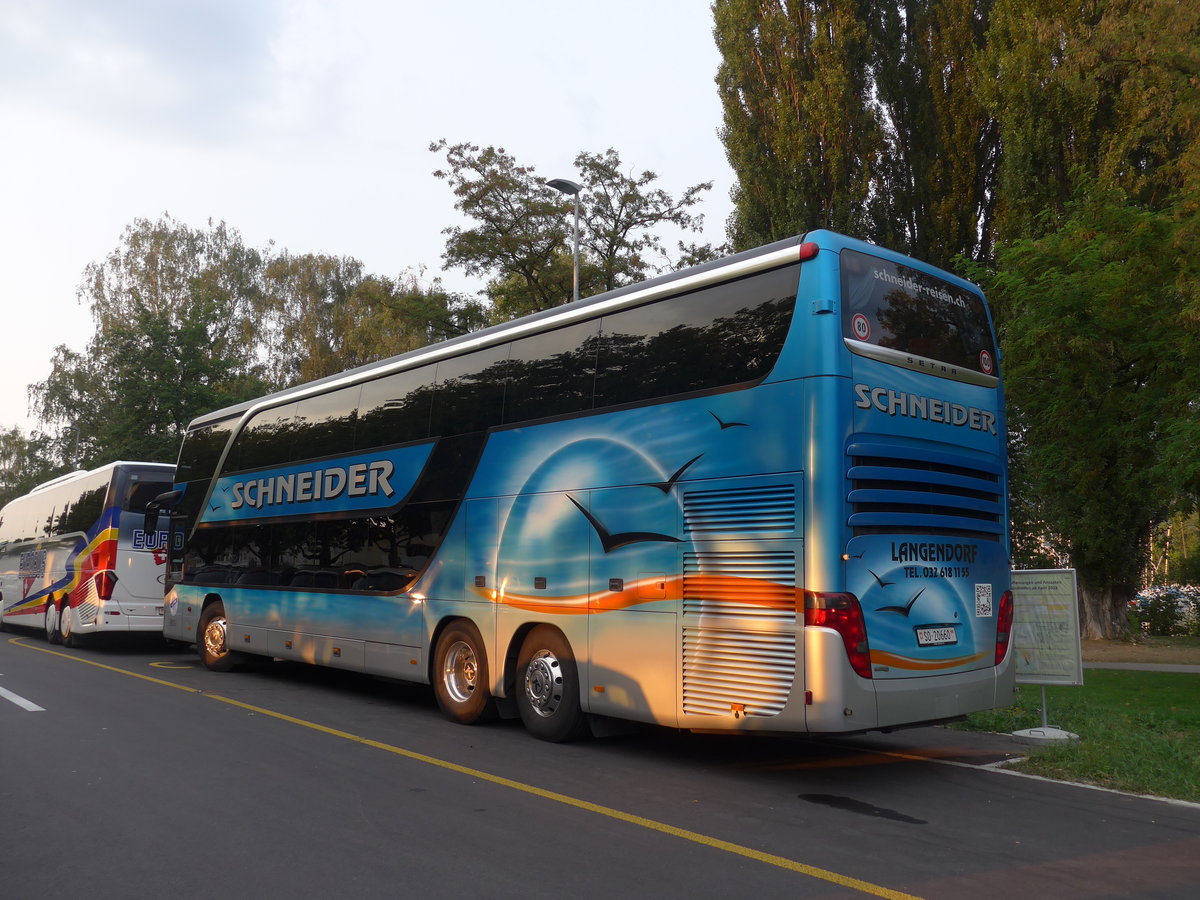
column 570, row 187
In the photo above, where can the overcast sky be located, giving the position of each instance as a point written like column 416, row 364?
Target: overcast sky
column 308, row 122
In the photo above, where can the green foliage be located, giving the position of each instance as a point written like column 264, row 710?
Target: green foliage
column 174, row 313
column 1098, row 348
column 522, row 240
column 799, row 129
column 383, row 317
column 303, row 301
column 1107, row 91
column 1166, row 610
column 619, row 213
column 936, row 179
column 1139, row 731
column 23, row 463
column 865, row 118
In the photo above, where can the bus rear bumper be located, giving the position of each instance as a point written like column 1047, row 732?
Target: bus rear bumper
column 121, row 623
column 842, row 701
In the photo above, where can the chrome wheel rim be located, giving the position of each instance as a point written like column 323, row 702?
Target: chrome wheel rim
column 51, row 620
column 460, row 674
column 544, row 683
column 214, row 637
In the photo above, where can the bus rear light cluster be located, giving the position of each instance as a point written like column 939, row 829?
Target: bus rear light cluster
column 105, row 582
column 842, row 613
column 1004, row 621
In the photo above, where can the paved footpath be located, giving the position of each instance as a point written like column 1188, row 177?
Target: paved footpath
column 1144, row 667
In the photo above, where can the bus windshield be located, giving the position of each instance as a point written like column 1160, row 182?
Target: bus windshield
column 899, row 308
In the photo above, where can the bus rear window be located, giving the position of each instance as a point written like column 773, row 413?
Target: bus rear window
column 920, row 317
column 139, row 493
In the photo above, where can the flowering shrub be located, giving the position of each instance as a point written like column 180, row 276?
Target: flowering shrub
column 1165, row 609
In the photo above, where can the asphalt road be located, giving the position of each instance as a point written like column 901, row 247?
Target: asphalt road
column 139, row 774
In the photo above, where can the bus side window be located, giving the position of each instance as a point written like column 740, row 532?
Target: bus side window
column 727, row 334
column 394, row 409
column 265, row 441
column 470, row 392
column 325, row 424
column 552, row 374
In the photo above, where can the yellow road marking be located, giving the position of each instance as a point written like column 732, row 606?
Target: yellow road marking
column 167, row 665
column 771, row 859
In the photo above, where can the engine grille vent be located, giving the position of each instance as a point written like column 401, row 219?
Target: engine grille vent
column 748, row 510
column 727, row 672
column 760, row 585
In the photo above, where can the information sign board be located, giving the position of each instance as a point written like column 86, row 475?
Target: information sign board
column 1046, row 627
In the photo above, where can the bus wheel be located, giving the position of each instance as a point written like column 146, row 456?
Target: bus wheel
column 213, row 643
column 66, row 622
column 460, row 677
column 51, row 623
column 548, row 687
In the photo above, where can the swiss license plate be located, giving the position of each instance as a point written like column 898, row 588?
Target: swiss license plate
column 936, row 636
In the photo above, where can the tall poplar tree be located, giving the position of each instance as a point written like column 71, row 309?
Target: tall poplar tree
column 937, row 179
column 1106, row 92
column 860, row 117
column 799, row 129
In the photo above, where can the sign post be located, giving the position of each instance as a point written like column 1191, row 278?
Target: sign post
column 1046, row 638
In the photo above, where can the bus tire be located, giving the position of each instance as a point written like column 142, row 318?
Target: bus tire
column 548, row 687
column 212, row 640
column 460, row 675
column 51, row 623
column 66, row 634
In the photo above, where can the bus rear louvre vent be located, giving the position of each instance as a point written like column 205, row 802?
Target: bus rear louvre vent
column 898, row 490
column 751, row 510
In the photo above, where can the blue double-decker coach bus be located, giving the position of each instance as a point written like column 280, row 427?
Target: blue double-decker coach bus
column 764, row 494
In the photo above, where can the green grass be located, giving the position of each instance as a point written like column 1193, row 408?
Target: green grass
column 1138, row 731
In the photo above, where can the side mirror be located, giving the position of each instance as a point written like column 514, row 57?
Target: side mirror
column 162, row 501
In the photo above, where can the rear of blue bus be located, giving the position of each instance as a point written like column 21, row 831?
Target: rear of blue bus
column 908, row 607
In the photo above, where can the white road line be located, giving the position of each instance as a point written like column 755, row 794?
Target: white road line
column 28, row 705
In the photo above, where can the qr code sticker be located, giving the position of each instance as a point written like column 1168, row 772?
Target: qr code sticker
column 983, row 601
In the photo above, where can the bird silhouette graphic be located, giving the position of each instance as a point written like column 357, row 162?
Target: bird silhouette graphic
column 902, row 610
column 611, row 542
column 725, row 424
column 881, row 582
column 665, row 486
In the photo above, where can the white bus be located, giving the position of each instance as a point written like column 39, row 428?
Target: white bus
column 74, row 558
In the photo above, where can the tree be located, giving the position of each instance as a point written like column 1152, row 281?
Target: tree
column 303, row 324
column 22, row 463
column 1099, row 347
column 936, row 179
column 1098, row 297
column 799, row 129
column 860, row 117
column 323, row 315
column 619, row 211
column 522, row 241
column 1106, row 91
column 173, row 308
column 394, row 316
